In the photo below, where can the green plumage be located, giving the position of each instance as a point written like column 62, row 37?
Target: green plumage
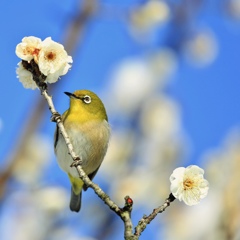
column 86, row 125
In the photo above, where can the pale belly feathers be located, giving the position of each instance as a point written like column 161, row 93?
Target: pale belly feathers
column 90, row 143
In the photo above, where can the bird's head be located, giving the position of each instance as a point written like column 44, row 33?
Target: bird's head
column 86, row 105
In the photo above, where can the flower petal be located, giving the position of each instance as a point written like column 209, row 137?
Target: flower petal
column 25, row 77
column 29, row 48
column 188, row 184
column 53, row 58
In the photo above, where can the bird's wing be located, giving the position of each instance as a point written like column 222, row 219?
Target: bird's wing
column 56, row 134
column 91, row 176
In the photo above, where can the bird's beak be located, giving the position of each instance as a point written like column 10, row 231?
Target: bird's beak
column 71, row 95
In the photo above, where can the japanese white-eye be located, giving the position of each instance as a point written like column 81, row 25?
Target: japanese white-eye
column 86, row 124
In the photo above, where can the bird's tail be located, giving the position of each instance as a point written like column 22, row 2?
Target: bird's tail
column 75, row 201
column 76, row 193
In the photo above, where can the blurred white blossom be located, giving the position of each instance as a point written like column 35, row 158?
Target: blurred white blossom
column 119, row 151
column 201, row 224
column 32, row 213
column 222, row 168
column 33, row 158
column 149, row 15
column 22, row 214
column 160, row 116
column 136, row 86
column 162, row 63
column 163, row 139
column 135, row 184
column 133, row 80
column 66, row 232
column 202, row 48
column 188, row 184
column 51, row 57
column 51, row 199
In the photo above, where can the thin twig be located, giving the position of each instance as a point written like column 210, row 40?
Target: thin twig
column 125, row 212
column 142, row 224
column 126, row 217
column 73, row 33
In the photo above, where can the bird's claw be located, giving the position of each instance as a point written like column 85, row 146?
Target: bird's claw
column 55, row 116
column 77, row 162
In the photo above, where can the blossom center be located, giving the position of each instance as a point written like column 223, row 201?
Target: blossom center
column 188, row 184
column 31, row 51
column 50, row 56
column 36, row 51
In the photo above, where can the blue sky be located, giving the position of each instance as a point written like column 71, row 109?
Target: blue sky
column 207, row 95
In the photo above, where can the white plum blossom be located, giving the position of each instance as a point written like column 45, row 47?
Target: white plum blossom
column 29, row 48
column 51, row 58
column 188, row 184
column 150, row 14
column 25, row 77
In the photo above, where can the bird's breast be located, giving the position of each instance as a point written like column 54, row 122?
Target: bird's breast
column 90, row 142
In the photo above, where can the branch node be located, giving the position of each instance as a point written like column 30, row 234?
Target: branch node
column 128, row 205
column 171, row 198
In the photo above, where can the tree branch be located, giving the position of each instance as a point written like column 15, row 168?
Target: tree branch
column 74, row 33
column 125, row 212
column 142, row 224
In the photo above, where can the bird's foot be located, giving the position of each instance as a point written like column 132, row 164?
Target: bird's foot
column 77, row 162
column 55, row 117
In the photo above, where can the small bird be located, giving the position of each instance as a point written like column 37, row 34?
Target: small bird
column 86, row 124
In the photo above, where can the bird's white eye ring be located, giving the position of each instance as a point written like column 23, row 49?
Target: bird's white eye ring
column 87, row 99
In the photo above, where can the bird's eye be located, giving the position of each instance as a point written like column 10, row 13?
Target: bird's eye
column 87, row 99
